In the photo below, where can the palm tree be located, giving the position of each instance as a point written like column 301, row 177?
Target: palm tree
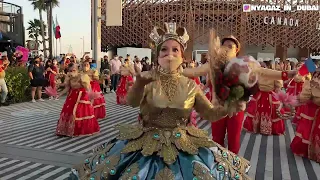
column 50, row 4
column 40, row 5
column 34, row 29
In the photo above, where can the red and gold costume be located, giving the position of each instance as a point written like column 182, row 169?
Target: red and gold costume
column 126, row 82
column 295, row 88
column 261, row 110
column 306, row 143
column 99, row 104
column 52, row 77
column 77, row 115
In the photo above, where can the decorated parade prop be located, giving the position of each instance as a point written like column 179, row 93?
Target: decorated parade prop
column 237, row 81
column 288, row 102
column 307, row 67
column 22, row 53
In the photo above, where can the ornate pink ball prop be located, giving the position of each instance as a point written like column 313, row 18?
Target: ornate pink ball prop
column 245, row 68
column 24, row 52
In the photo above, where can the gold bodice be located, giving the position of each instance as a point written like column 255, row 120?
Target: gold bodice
column 168, row 101
column 126, row 70
column 78, row 81
column 93, row 74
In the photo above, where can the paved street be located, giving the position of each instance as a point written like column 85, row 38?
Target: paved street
column 30, row 150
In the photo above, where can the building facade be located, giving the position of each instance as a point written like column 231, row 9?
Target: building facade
column 286, row 34
column 11, row 24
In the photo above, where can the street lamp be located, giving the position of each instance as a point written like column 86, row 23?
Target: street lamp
column 82, row 45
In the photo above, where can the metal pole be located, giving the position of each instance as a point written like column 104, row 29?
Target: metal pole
column 95, row 29
column 50, row 29
column 83, row 45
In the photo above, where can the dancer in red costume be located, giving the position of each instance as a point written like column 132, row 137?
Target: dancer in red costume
column 261, row 110
column 77, row 114
column 51, row 71
column 126, row 82
column 232, row 125
column 295, row 88
column 306, row 143
column 99, row 104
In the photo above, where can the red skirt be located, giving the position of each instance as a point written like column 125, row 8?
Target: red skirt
column 295, row 88
column 122, row 89
column 261, row 115
column 99, row 104
column 306, row 143
column 77, row 115
column 52, row 81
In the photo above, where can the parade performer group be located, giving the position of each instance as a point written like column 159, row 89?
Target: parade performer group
column 166, row 143
column 163, row 145
column 77, row 116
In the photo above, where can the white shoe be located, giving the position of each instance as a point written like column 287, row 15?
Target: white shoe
column 33, row 100
column 112, row 91
column 50, row 98
column 41, row 100
column 57, row 99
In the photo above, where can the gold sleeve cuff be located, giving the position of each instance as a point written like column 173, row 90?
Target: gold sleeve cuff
column 196, row 72
column 85, row 80
column 206, row 109
column 306, row 94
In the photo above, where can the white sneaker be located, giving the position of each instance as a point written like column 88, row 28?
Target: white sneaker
column 50, row 98
column 41, row 100
column 112, row 91
column 33, row 100
column 56, row 99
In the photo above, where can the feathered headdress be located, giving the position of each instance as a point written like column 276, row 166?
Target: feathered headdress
column 158, row 35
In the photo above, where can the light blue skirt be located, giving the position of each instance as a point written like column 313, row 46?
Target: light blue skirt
column 209, row 164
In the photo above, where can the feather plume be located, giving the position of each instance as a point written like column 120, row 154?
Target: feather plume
column 285, row 98
column 94, row 95
column 51, row 92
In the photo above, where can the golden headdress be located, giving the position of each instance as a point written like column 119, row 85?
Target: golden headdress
column 158, row 35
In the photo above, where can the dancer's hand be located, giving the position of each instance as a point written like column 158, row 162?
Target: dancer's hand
column 142, row 80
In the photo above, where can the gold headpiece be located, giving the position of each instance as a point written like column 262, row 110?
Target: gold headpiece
column 171, row 31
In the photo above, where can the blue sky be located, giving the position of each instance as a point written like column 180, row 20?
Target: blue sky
column 74, row 18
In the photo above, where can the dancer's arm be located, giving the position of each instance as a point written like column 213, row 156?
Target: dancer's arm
column 66, row 86
column 306, row 94
column 139, row 88
column 206, row 109
column 274, row 74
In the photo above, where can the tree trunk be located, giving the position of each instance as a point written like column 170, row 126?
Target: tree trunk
column 42, row 35
column 49, row 22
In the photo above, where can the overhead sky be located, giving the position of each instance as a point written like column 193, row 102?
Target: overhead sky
column 74, row 18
